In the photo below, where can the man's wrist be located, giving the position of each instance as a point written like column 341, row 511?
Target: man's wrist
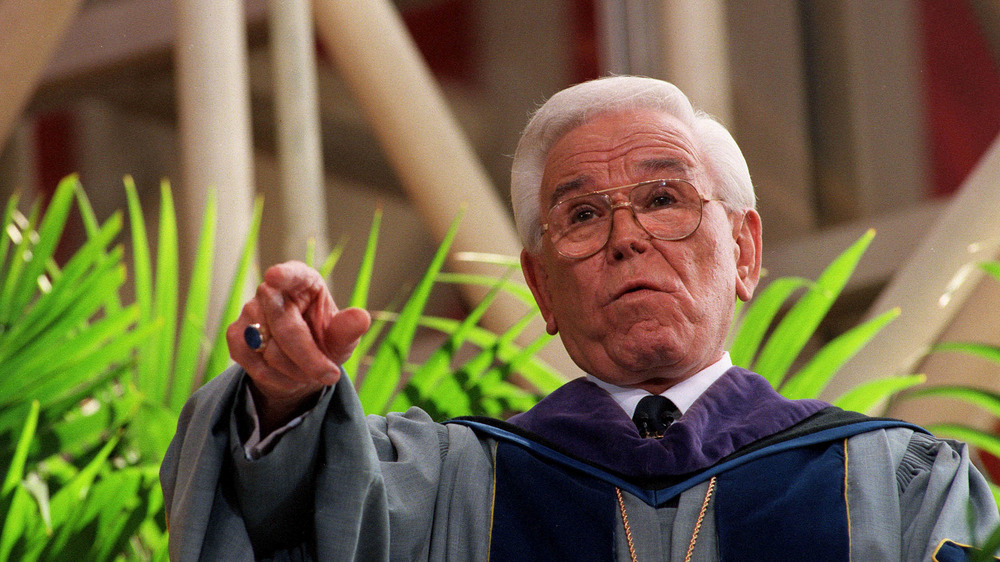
column 275, row 412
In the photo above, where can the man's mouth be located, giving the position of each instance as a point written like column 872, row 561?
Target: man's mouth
column 633, row 288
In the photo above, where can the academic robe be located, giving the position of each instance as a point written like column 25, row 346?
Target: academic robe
column 402, row 487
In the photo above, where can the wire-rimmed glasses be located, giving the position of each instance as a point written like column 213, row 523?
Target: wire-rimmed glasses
column 667, row 209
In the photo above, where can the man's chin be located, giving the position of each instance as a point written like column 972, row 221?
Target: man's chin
column 637, row 368
column 629, row 358
column 644, row 354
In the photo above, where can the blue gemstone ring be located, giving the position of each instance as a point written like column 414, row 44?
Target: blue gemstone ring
column 254, row 336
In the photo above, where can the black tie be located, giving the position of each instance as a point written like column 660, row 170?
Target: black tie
column 653, row 414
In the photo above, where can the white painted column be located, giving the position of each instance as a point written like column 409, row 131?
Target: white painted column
column 681, row 41
column 403, row 103
column 30, row 32
column 935, row 282
column 886, row 97
column 695, row 53
column 302, row 197
column 215, row 133
column 439, row 170
column 626, row 37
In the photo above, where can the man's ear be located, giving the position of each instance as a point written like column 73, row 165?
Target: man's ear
column 748, row 254
column 538, row 282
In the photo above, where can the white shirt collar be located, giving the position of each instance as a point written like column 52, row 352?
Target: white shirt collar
column 682, row 394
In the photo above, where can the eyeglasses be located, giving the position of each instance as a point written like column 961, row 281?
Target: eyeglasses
column 666, row 209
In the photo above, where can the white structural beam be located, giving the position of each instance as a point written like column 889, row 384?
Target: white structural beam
column 438, row 168
column 683, row 41
column 108, row 34
column 696, row 53
column 897, row 236
column 934, row 283
column 404, row 105
column 30, row 32
column 302, row 194
column 214, row 121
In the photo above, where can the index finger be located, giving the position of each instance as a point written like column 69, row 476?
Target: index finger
column 293, row 335
column 305, row 288
column 296, row 280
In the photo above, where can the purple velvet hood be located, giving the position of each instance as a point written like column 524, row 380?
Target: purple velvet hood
column 739, row 408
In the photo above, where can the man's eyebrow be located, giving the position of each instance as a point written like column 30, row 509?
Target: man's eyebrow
column 562, row 189
column 673, row 165
column 665, row 164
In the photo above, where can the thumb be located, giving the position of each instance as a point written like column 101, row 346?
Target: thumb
column 344, row 331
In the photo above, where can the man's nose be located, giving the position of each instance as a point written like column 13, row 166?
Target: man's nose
column 627, row 235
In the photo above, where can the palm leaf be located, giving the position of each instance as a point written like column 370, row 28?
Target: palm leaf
column 759, row 316
column 428, row 377
column 22, row 235
column 381, row 381
column 359, row 296
column 513, row 288
column 66, row 504
column 49, row 234
column 362, row 285
column 189, row 344
column 992, row 268
column 332, row 258
column 218, row 356
column 165, row 298
column 94, row 229
column 798, row 326
column 99, row 340
column 978, row 438
column 58, row 312
column 142, row 272
column 870, row 395
column 15, row 471
column 985, row 351
column 985, row 399
column 501, row 347
column 14, row 501
column 8, row 227
column 810, row 381
column 62, row 329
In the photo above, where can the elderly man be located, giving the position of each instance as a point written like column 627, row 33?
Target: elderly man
column 638, row 222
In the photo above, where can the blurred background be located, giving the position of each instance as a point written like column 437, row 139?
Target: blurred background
column 852, row 115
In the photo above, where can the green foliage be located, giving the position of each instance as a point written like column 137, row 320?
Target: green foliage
column 442, row 384
column 92, row 388
column 67, row 344
column 990, row 546
column 168, row 367
column 773, row 357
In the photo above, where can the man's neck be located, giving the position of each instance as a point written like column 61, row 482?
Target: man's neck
column 682, row 394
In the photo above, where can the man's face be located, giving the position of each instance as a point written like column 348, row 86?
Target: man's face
column 641, row 311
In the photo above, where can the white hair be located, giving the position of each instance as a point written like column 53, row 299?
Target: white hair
column 576, row 105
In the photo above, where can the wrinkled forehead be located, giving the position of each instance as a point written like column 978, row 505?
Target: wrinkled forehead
column 619, row 148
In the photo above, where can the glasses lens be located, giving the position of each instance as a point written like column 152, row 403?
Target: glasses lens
column 667, row 209
column 580, row 225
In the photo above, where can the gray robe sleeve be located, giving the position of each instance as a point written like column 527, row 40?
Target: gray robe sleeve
column 219, row 505
column 196, row 507
column 330, row 489
column 934, row 493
